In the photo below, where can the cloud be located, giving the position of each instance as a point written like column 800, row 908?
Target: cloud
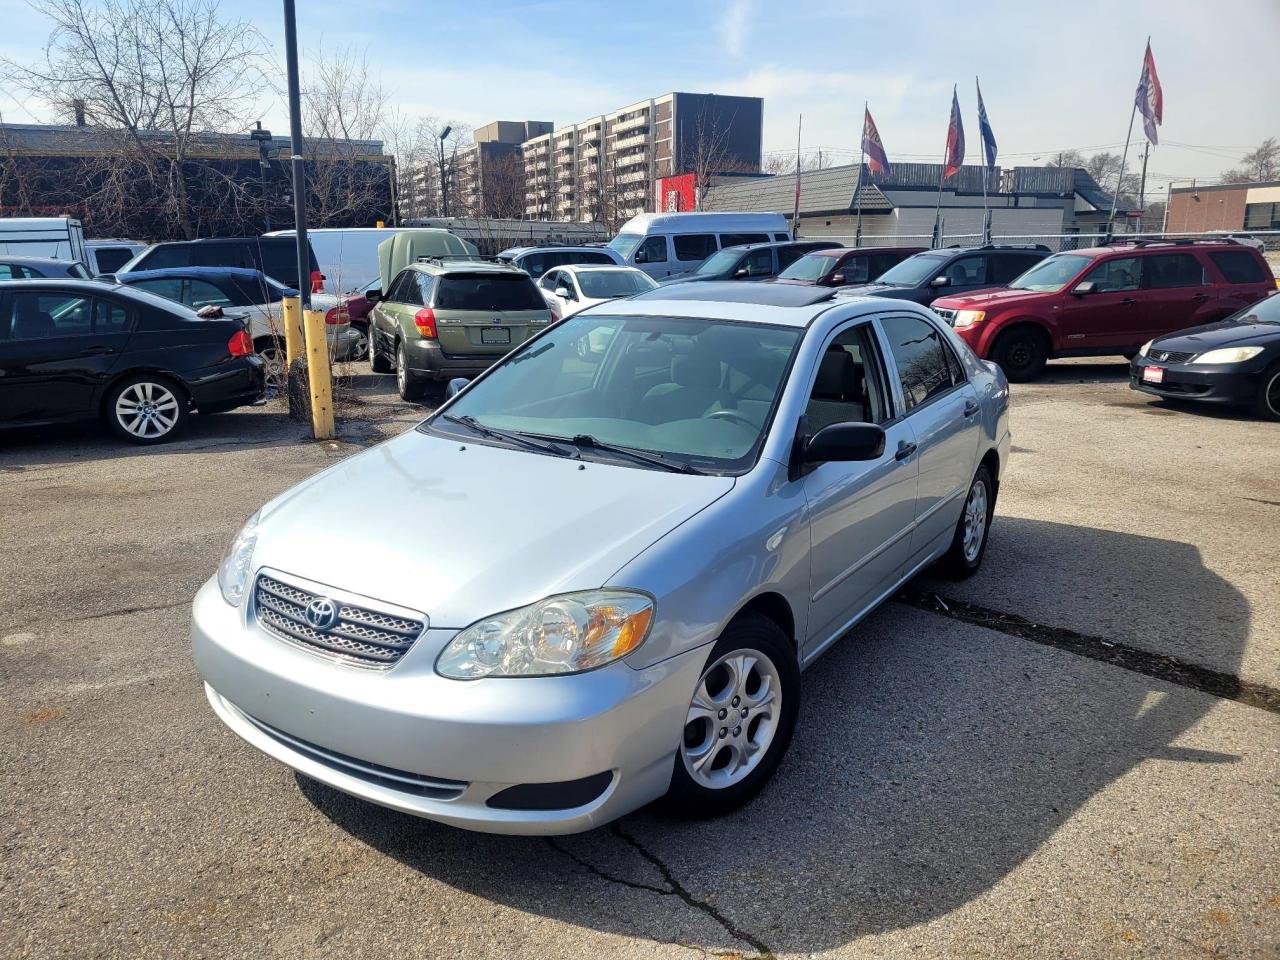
column 735, row 26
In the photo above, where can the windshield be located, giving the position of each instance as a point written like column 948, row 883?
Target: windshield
column 700, row 393
column 1265, row 311
column 607, row 284
column 625, row 243
column 1051, row 275
column 913, row 270
column 719, row 262
column 812, row 266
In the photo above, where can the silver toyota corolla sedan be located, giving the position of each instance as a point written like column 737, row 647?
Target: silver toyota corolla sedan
column 591, row 579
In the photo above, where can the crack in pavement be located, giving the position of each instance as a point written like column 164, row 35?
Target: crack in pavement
column 1158, row 665
column 674, row 888
column 121, row 612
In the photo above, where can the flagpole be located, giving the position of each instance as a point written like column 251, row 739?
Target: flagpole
column 982, row 145
column 857, row 189
column 795, row 209
column 1124, row 156
column 1142, row 186
column 942, row 176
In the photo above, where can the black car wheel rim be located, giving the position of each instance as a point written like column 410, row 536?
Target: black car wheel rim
column 1019, row 354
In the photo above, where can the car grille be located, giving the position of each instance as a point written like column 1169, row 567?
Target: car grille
column 434, row 787
column 1169, row 356
column 947, row 315
column 357, row 633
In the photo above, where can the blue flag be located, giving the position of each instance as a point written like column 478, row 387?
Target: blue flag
column 984, row 129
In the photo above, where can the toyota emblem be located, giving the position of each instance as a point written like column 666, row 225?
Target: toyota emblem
column 322, row 613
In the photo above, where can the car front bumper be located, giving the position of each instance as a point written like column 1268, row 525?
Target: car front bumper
column 1229, row 383
column 409, row 739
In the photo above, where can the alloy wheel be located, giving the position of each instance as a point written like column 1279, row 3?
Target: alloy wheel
column 402, row 371
column 1273, row 395
column 147, row 410
column 273, row 369
column 975, row 521
column 732, row 719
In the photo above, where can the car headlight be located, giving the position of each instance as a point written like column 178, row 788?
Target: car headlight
column 1142, row 352
column 564, row 634
column 233, row 572
column 1228, row 355
column 967, row 318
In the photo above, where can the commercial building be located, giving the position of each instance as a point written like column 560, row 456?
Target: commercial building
column 1227, row 206
column 1041, row 203
column 604, row 168
column 231, row 183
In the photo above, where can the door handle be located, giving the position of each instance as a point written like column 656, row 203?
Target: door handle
column 1200, row 297
column 96, row 351
column 970, row 407
column 905, row 450
column 1129, row 300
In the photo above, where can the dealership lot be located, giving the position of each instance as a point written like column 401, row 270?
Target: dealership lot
column 952, row 789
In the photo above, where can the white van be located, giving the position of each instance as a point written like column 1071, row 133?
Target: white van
column 59, row 238
column 108, row 256
column 661, row 244
column 348, row 258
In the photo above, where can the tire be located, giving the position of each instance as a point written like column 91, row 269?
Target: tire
column 272, row 352
column 378, row 361
column 1267, row 403
column 410, row 386
column 1021, row 353
column 704, row 782
column 969, row 543
column 146, row 408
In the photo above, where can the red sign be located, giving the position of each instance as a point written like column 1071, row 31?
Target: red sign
column 678, row 194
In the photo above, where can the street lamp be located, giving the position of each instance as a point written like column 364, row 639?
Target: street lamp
column 444, row 189
column 263, row 139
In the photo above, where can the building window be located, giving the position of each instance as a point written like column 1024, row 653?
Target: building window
column 1262, row 216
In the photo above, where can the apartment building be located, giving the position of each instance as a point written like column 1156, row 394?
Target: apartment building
column 603, row 168
column 483, row 179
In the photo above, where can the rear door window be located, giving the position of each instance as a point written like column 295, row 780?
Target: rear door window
column 694, row 246
column 536, row 264
column 737, row 239
column 789, row 255
column 1238, row 266
column 168, row 287
column 1163, row 270
column 202, row 293
column 111, row 259
column 12, row 271
column 966, row 271
column 487, row 291
column 590, row 258
column 404, row 289
column 878, row 263
column 161, row 258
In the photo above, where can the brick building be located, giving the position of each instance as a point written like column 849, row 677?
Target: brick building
column 1227, row 206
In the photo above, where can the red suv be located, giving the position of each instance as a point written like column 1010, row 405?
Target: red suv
column 1106, row 300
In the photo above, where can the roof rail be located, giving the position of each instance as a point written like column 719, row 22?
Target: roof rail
column 465, row 257
column 1171, row 242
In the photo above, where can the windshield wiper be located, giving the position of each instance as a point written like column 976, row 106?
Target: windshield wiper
column 588, row 442
column 511, row 436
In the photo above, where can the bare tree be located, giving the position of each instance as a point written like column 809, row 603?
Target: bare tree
column 503, row 186
column 707, row 152
column 153, row 77
column 1257, row 165
column 421, row 157
column 1066, row 158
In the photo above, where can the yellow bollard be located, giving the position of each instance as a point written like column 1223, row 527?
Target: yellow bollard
column 294, row 346
column 318, row 375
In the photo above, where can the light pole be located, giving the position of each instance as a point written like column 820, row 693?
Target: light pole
column 295, row 158
column 263, row 139
column 444, row 188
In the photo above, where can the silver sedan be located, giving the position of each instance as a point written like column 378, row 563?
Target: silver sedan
column 591, row 579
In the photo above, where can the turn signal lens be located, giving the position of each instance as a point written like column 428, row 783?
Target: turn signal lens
column 425, row 321
column 565, row 634
column 240, row 344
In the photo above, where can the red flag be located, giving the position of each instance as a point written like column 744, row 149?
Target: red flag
column 873, row 146
column 1150, row 97
column 955, row 139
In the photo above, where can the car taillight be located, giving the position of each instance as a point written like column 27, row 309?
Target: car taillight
column 425, row 321
column 240, row 344
column 337, row 314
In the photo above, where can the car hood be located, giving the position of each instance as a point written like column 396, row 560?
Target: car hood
column 689, row 276
column 989, row 299
column 1224, row 333
column 876, row 290
column 461, row 530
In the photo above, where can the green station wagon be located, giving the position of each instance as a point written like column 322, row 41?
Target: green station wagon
column 446, row 317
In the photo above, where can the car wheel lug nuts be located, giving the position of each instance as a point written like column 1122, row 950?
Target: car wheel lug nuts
column 724, row 731
column 736, row 701
column 737, row 731
column 723, row 714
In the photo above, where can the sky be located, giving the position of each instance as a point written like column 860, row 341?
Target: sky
column 1054, row 76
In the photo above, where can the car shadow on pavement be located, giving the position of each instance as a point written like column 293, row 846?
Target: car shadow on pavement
column 932, row 759
column 1092, row 370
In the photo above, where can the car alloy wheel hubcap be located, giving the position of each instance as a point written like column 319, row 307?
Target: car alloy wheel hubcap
column 274, row 365
column 732, row 719
column 1019, row 354
column 975, row 520
column 147, row 410
column 402, row 376
column 1273, row 394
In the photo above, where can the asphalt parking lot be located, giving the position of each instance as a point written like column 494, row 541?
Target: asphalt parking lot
column 962, row 783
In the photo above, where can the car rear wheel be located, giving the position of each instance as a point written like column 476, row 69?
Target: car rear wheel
column 272, row 352
column 378, row 361
column 1267, row 404
column 969, row 543
column 1022, row 353
column 146, row 409
column 411, row 387
column 740, row 720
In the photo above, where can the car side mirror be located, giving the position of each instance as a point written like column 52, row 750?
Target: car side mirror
column 940, row 282
column 836, row 279
column 374, row 295
column 845, row 442
column 455, row 387
column 1087, row 286
column 740, row 273
column 563, row 293
column 210, row 311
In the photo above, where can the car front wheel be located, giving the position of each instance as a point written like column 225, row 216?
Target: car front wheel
column 739, row 722
column 1267, row 404
column 1021, row 353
